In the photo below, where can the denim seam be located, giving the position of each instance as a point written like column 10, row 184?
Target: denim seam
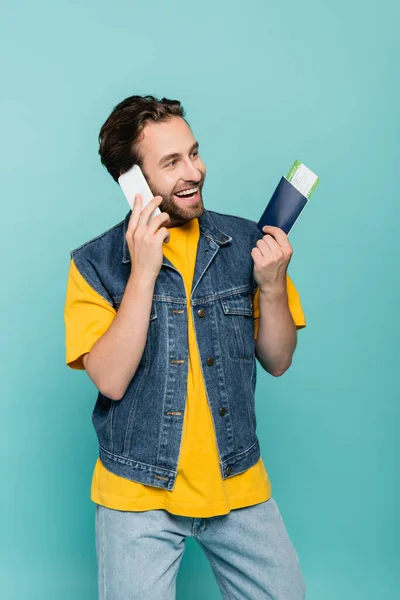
column 201, row 300
column 244, row 378
column 164, row 396
column 249, row 415
column 133, row 408
column 221, row 295
column 93, row 287
column 98, row 237
column 239, row 338
column 111, row 425
column 244, row 453
column 252, row 407
column 130, row 462
column 162, row 298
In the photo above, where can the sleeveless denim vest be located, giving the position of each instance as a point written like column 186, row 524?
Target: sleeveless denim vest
column 140, row 435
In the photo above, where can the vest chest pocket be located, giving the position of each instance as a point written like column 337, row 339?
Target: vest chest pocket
column 238, row 325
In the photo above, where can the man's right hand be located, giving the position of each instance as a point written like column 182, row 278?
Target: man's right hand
column 145, row 239
column 114, row 358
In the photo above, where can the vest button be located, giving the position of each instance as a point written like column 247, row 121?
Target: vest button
column 228, row 471
column 222, row 411
column 201, row 312
column 210, row 361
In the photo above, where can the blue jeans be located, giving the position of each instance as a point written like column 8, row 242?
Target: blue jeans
column 249, row 550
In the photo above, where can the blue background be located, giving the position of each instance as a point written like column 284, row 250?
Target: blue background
column 264, row 83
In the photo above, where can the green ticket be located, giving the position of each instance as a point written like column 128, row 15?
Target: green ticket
column 302, row 178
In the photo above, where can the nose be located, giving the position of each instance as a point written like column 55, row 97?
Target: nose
column 191, row 172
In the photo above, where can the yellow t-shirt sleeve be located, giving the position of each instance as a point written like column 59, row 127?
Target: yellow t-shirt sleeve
column 87, row 316
column 294, row 307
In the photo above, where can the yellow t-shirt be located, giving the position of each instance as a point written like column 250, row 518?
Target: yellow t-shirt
column 199, row 489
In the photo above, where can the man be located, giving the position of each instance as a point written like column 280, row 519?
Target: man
column 167, row 316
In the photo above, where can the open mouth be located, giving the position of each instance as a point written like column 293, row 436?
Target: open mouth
column 188, row 194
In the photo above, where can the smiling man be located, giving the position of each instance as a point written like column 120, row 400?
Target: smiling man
column 168, row 315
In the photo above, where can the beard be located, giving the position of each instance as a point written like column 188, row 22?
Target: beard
column 181, row 214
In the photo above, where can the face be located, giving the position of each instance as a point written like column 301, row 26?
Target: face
column 173, row 168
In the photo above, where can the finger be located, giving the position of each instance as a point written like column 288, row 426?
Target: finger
column 163, row 235
column 256, row 255
column 279, row 235
column 271, row 243
column 157, row 222
column 275, row 247
column 148, row 210
column 264, row 248
column 134, row 218
column 278, row 252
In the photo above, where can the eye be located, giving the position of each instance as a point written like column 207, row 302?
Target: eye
column 172, row 163
column 195, row 153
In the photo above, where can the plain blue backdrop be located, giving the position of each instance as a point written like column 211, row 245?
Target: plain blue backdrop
column 264, row 83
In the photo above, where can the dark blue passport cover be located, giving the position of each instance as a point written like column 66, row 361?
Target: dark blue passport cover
column 284, row 207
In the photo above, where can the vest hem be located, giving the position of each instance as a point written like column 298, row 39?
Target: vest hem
column 240, row 462
column 137, row 471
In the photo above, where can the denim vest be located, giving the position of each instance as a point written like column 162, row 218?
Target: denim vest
column 140, row 435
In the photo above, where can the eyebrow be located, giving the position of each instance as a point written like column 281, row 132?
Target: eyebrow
column 168, row 157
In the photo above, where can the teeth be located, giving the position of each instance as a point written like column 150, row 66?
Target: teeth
column 187, row 192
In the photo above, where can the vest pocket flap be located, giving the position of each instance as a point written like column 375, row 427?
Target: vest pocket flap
column 153, row 313
column 238, row 304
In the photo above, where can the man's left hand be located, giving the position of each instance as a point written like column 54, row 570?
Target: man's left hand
column 271, row 259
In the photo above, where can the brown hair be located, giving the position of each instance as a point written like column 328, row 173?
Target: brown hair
column 118, row 138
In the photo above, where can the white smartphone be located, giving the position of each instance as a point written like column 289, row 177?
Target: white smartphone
column 133, row 182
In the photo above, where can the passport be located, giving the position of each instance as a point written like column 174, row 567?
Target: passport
column 289, row 199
